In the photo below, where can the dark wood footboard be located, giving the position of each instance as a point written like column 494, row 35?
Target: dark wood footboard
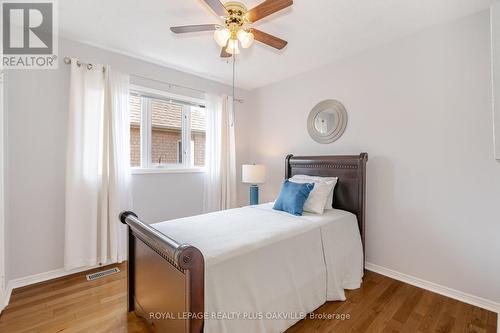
column 165, row 279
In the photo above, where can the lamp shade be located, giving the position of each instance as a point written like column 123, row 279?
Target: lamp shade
column 232, row 47
column 246, row 38
column 222, row 36
column 253, row 173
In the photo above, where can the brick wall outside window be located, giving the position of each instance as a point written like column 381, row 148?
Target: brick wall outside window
column 166, row 133
column 135, row 146
column 199, row 148
column 164, row 145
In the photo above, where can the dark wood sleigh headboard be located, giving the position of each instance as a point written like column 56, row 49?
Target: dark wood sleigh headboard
column 350, row 191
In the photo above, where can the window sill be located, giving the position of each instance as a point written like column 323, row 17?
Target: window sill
column 145, row 171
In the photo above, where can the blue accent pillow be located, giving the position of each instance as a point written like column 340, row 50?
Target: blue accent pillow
column 292, row 197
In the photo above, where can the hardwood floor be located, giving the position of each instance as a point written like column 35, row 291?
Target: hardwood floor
column 72, row 304
column 388, row 306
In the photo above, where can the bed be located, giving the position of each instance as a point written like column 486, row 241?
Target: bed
column 250, row 269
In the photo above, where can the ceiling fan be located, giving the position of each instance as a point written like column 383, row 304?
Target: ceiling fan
column 236, row 29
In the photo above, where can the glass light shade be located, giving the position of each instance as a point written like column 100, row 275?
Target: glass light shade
column 253, row 173
column 232, row 47
column 221, row 36
column 245, row 38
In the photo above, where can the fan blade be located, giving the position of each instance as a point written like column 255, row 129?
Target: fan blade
column 267, row 8
column 224, row 53
column 217, row 7
column 194, row 28
column 268, row 39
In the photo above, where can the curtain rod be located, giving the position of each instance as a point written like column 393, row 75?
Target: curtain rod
column 67, row 61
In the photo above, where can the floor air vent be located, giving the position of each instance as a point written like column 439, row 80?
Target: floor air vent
column 98, row 275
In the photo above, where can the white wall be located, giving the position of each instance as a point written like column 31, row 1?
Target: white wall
column 495, row 44
column 160, row 197
column 421, row 108
column 36, row 140
column 2, row 209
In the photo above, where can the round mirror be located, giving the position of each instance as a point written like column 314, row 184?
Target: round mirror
column 324, row 121
column 327, row 121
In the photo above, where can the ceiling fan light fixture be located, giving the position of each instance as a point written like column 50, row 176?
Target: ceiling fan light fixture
column 246, row 38
column 221, row 36
column 232, row 47
column 236, row 26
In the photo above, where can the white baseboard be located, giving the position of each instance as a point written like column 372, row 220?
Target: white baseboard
column 438, row 289
column 3, row 300
column 37, row 278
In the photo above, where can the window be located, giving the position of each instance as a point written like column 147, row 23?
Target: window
column 166, row 131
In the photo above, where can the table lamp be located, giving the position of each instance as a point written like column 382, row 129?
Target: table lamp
column 253, row 174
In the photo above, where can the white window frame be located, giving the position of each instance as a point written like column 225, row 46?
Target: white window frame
column 147, row 165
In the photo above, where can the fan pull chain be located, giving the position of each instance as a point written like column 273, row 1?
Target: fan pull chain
column 234, row 97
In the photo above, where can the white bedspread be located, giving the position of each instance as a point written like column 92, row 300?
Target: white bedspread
column 265, row 269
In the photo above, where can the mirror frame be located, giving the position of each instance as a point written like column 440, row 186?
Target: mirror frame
column 341, row 125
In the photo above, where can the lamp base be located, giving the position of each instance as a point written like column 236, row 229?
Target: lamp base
column 254, row 195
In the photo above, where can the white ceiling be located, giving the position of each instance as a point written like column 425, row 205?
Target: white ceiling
column 318, row 31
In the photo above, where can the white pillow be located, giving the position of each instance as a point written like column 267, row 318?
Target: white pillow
column 317, row 179
column 317, row 198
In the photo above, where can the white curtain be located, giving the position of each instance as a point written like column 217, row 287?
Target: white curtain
column 220, row 179
column 97, row 167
